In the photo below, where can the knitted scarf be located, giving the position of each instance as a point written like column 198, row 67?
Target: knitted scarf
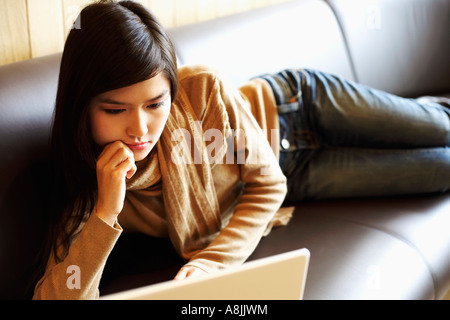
column 180, row 168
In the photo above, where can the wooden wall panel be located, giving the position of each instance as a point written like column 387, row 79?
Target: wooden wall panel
column 33, row 28
column 185, row 12
column 46, row 28
column 164, row 10
column 206, row 9
column 70, row 11
column 14, row 39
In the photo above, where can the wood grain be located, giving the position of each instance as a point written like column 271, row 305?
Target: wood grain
column 32, row 28
column 14, row 38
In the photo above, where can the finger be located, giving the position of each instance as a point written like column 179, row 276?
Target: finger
column 111, row 149
column 132, row 171
column 121, row 155
column 121, row 165
column 181, row 274
column 189, row 272
column 127, row 168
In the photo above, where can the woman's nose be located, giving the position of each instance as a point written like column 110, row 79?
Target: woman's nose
column 138, row 125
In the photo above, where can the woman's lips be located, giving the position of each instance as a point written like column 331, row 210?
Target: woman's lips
column 138, row 146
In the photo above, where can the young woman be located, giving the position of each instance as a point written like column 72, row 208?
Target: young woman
column 141, row 146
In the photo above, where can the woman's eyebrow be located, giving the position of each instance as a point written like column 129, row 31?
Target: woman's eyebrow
column 120, row 103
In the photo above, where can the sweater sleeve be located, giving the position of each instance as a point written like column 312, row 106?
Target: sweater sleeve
column 263, row 193
column 78, row 275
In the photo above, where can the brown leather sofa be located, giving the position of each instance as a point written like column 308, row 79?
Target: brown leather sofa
column 383, row 248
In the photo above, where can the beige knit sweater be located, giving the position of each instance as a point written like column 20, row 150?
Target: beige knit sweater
column 249, row 193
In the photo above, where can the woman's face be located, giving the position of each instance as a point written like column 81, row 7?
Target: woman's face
column 135, row 115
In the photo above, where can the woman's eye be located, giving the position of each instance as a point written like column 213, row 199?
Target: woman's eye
column 156, row 105
column 113, row 111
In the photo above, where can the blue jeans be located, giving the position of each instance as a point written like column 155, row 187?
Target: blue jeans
column 342, row 139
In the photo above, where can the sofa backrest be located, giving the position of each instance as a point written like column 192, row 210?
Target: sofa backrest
column 400, row 46
column 297, row 34
column 27, row 97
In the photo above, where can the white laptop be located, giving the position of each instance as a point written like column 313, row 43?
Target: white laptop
column 279, row 277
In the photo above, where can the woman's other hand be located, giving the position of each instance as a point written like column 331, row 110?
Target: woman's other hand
column 189, row 272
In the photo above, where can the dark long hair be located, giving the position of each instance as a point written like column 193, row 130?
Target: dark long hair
column 113, row 45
